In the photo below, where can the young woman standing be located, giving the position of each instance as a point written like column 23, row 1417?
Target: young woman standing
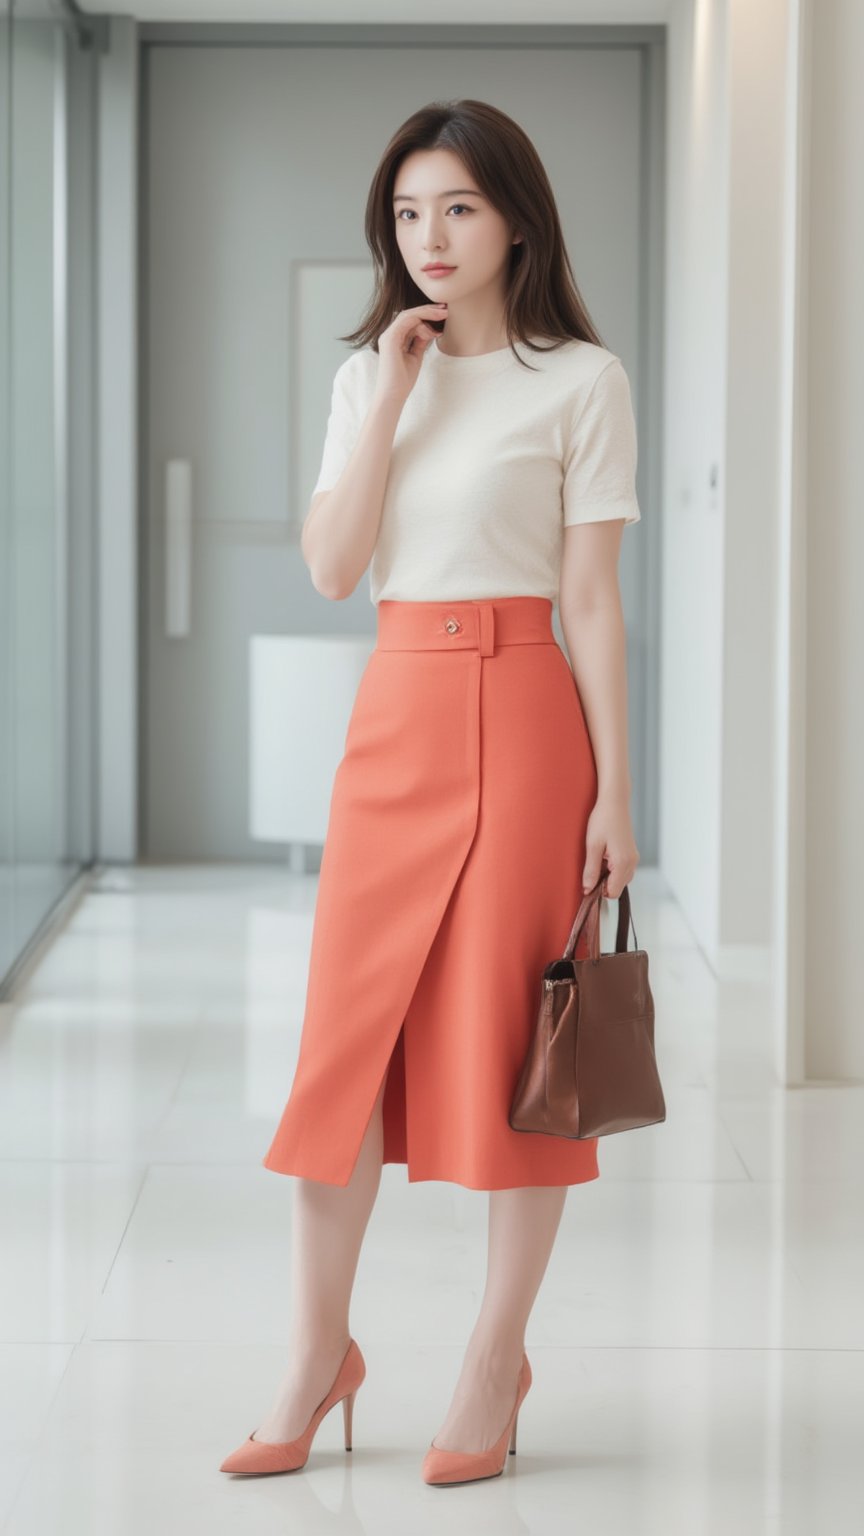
column 481, row 454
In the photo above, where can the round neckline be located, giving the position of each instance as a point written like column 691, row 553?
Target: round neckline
column 474, row 362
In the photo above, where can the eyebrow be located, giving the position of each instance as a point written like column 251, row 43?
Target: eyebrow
column 456, row 192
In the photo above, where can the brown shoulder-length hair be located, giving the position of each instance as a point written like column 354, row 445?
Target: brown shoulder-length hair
column 542, row 298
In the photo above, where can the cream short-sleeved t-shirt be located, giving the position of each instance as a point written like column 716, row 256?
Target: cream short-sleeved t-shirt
column 490, row 462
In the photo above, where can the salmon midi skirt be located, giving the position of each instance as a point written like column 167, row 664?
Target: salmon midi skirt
column 450, row 876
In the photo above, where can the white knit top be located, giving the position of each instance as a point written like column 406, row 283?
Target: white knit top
column 490, row 461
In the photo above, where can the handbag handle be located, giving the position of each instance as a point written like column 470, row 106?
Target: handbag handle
column 590, row 908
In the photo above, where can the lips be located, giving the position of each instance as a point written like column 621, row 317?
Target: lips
column 438, row 267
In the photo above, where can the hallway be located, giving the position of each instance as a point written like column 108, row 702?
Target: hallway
column 697, row 1345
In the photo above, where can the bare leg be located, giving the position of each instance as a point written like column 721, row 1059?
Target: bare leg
column 522, row 1228
column 328, row 1229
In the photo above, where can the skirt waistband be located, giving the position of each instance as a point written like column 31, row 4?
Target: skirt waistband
column 468, row 624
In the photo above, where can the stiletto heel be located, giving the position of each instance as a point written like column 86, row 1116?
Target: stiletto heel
column 445, row 1468
column 255, row 1457
column 347, row 1414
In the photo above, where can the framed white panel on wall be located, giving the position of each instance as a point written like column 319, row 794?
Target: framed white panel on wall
column 327, row 300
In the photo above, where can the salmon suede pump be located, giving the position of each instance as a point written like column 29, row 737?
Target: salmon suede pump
column 446, row 1468
column 257, row 1457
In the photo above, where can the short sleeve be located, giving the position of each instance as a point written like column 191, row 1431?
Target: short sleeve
column 343, row 426
column 600, row 456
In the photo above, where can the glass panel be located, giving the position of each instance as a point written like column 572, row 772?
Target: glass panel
column 40, row 605
column 37, row 509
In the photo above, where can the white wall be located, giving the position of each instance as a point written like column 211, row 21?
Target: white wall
column 762, row 753
column 758, row 60
column 726, row 270
column 697, row 235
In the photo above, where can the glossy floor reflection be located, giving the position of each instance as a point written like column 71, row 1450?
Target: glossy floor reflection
column 697, row 1346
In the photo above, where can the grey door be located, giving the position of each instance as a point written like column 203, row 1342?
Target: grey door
column 256, row 166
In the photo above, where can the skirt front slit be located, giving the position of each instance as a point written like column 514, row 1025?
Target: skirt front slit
column 450, row 876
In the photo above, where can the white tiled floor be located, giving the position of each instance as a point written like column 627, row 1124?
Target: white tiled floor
column 697, row 1345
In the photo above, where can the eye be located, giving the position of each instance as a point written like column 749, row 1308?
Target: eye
column 411, row 211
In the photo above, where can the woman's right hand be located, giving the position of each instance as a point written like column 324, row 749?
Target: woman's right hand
column 402, row 348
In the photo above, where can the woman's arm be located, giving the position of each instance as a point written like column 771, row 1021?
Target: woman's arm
column 341, row 526
column 340, row 530
column 589, row 606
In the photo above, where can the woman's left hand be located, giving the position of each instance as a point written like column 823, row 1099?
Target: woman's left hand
column 610, row 841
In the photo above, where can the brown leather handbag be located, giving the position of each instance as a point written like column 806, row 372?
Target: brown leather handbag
column 590, row 1068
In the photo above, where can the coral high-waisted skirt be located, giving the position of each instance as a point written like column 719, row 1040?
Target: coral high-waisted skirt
column 450, row 876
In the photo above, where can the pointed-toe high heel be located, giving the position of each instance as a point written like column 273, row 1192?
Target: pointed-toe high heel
column 445, row 1468
column 260, row 1456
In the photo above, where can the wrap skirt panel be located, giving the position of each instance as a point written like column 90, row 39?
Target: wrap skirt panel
column 450, row 876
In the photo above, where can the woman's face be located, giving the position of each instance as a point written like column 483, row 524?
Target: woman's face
column 442, row 216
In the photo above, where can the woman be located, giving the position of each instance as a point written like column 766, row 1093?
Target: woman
column 481, row 453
